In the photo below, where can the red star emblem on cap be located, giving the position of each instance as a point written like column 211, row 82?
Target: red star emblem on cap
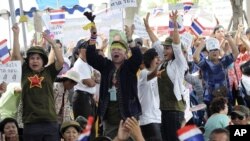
column 35, row 81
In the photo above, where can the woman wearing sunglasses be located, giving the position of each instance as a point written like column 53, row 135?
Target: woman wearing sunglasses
column 240, row 115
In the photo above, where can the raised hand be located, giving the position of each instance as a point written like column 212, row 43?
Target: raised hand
column 123, row 132
column 175, row 35
column 47, row 37
column 15, row 28
column 174, row 16
column 104, row 43
column 3, row 87
column 133, row 125
column 227, row 36
column 129, row 31
column 240, row 28
column 145, row 20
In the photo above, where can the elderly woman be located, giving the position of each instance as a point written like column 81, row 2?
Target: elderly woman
column 61, row 92
column 70, row 130
column 9, row 128
column 214, row 68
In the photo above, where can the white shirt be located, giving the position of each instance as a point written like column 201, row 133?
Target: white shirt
column 175, row 69
column 149, row 98
column 246, row 82
column 85, row 71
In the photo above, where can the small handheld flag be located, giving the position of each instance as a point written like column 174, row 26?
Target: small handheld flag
column 179, row 21
column 4, row 52
column 57, row 16
column 86, row 132
column 187, row 6
column 196, row 27
column 190, row 133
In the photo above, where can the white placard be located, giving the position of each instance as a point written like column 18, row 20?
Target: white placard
column 140, row 29
column 10, row 72
column 186, row 40
column 56, row 31
column 212, row 43
column 187, row 113
column 177, row 6
column 122, row 3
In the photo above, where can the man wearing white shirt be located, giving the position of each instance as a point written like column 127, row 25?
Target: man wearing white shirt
column 83, row 102
column 150, row 120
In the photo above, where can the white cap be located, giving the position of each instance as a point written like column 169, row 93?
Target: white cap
column 212, row 44
column 73, row 75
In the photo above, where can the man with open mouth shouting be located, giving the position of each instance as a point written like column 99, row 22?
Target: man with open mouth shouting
column 118, row 88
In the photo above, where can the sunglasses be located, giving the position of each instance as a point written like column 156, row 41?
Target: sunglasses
column 235, row 116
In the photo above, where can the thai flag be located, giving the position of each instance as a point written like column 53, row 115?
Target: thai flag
column 190, row 133
column 181, row 27
column 196, row 27
column 187, row 6
column 86, row 132
column 57, row 16
column 4, row 52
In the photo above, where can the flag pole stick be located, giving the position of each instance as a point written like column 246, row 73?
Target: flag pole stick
column 12, row 11
column 23, row 26
column 10, row 39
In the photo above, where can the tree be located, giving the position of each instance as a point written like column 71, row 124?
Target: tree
column 237, row 8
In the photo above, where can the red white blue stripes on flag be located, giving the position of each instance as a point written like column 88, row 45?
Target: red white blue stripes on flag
column 196, row 27
column 84, row 136
column 57, row 16
column 4, row 52
column 181, row 27
column 190, row 133
column 187, row 6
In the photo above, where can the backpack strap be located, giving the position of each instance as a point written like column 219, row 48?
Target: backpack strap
column 243, row 88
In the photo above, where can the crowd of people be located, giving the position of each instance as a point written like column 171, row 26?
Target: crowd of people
column 138, row 93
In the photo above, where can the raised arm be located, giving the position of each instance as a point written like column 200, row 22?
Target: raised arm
column 57, row 51
column 235, row 50
column 16, row 54
column 135, row 60
column 176, row 37
column 238, row 34
column 151, row 34
column 245, row 41
column 196, row 55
